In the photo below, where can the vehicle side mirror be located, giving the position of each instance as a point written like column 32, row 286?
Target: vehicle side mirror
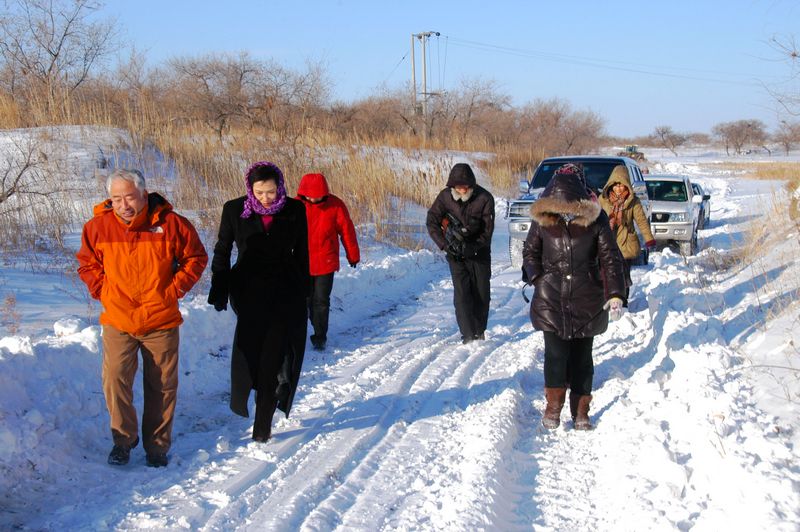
column 706, row 197
column 524, row 186
column 697, row 199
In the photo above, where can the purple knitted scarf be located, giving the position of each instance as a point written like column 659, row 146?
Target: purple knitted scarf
column 251, row 204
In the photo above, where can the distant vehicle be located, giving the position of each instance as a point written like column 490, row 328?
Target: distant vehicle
column 675, row 216
column 596, row 168
column 705, row 206
column 633, row 152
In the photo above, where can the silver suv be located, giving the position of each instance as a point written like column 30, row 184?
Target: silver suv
column 596, row 168
column 676, row 215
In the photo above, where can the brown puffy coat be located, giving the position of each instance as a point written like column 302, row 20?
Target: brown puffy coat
column 138, row 271
column 574, row 266
column 632, row 211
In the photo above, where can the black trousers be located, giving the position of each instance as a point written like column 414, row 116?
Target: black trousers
column 470, row 295
column 319, row 305
column 626, row 269
column 568, row 363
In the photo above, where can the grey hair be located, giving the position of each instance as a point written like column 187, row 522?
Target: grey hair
column 131, row 175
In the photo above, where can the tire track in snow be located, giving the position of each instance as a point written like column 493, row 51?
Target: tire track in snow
column 365, row 504
column 399, row 407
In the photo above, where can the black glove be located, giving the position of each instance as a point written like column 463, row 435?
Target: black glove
column 473, row 227
column 218, row 300
column 525, row 278
column 455, row 249
column 471, row 249
column 352, row 264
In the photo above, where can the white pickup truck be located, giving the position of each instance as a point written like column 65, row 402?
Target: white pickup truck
column 676, row 211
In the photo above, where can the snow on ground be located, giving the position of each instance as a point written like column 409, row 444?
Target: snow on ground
column 399, row 426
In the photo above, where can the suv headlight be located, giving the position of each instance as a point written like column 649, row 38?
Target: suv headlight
column 678, row 217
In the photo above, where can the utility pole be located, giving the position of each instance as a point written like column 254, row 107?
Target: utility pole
column 413, row 76
column 423, row 38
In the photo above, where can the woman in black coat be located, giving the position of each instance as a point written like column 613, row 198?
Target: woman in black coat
column 267, row 288
column 571, row 258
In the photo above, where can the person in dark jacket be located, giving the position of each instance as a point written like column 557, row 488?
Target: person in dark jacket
column 571, row 258
column 461, row 223
column 267, row 289
column 328, row 221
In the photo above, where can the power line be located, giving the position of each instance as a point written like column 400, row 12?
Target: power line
column 395, row 67
column 602, row 63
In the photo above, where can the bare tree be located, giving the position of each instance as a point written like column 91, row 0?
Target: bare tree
column 551, row 127
column 227, row 90
column 787, row 135
column 32, row 200
column 19, row 172
column 669, row 138
column 474, row 107
column 52, row 43
column 788, row 94
column 741, row 133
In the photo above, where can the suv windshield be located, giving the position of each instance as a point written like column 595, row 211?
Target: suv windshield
column 596, row 173
column 666, row 191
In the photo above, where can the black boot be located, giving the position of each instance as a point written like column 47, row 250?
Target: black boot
column 121, row 454
column 262, row 426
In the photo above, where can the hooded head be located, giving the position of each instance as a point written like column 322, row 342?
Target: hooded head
column 618, row 175
column 313, row 186
column 263, row 171
column 461, row 175
column 566, row 194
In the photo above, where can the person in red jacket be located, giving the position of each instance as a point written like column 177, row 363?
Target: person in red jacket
column 328, row 221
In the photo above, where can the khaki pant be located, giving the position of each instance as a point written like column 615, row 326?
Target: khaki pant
column 160, row 378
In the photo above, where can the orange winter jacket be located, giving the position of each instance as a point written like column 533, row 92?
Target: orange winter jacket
column 138, row 271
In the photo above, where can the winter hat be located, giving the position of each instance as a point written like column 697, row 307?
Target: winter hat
column 313, row 186
column 566, row 186
column 260, row 171
column 571, row 169
column 576, row 169
column 461, row 175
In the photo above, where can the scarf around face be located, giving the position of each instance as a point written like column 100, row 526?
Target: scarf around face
column 461, row 197
column 251, row 204
column 617, row 203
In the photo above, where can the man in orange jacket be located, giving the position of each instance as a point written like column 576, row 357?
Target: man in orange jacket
column 328, row 220
column 138, row 257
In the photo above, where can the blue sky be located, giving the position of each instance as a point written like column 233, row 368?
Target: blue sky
column 686, row 64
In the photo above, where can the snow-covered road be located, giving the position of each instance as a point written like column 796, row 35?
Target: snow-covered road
column 399, row 426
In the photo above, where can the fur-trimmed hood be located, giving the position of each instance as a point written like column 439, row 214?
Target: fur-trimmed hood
column 565, row 194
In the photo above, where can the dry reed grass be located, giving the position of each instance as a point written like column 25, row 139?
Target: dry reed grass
column 775, row 282
column 776, row 171
column 379, row 178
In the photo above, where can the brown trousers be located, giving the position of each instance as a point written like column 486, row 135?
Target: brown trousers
column 160, row 381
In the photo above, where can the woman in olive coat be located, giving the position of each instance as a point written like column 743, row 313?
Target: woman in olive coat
column 624, row 209
column 571, row 258
column 267, row 289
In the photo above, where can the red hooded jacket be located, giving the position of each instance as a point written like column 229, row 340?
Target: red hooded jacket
column 328, row 220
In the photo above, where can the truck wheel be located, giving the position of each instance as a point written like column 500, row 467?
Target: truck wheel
column 689, row 247
column 515, row 252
